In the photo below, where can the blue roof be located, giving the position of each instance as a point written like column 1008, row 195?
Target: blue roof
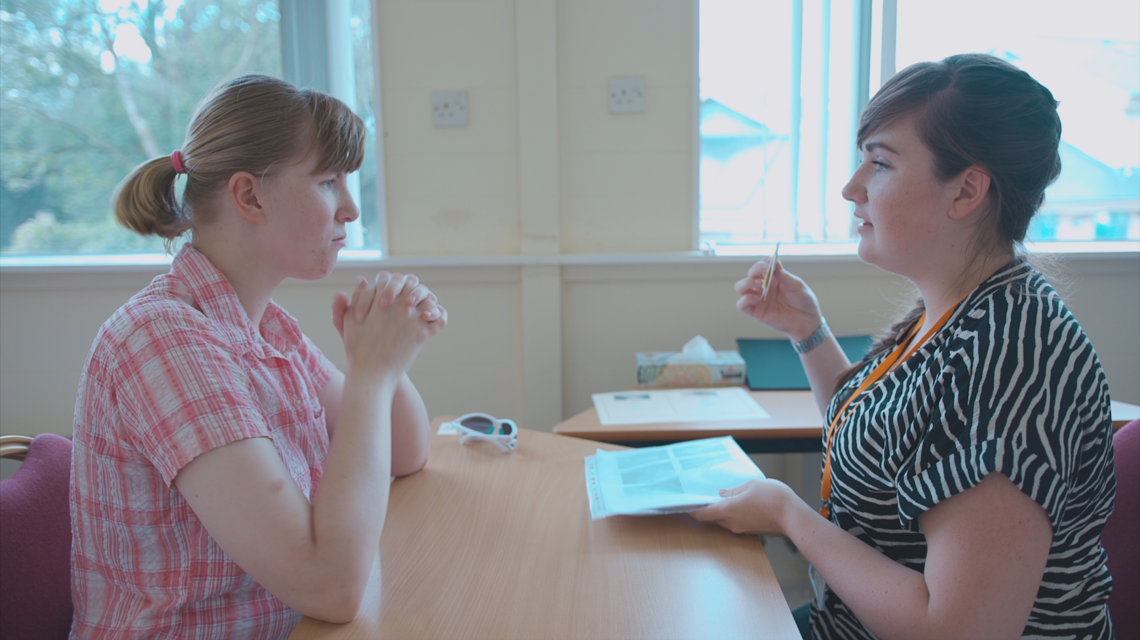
column 719, row 121
column 1086, row 179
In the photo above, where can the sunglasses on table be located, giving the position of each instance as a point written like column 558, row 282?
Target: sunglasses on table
column 482, row 426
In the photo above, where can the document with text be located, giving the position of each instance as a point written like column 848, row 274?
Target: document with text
column 675, row 478
column 677, row 405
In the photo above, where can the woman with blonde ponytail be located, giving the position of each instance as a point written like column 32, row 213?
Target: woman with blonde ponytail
column 227, row 478
column 145, row 201
column 967, row 468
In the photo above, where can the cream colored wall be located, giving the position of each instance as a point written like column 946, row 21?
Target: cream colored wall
column 607, row 313
column 542, row 165
column 627, row 181
column 542, row 175
column 450, row 191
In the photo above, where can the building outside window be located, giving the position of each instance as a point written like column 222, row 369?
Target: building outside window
column 781, row 86
column 1089, row 57
column 91, row 88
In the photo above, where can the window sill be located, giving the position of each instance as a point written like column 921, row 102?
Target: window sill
column 793, row 254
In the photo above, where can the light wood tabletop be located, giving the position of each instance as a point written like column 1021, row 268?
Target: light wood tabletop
column 795, row 420
column 1123, row 413
column 487, row 544
column 794, row 416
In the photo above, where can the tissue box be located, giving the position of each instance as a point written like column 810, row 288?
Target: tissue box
column 655, row 370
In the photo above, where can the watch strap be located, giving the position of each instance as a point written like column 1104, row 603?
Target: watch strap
column 815, row 339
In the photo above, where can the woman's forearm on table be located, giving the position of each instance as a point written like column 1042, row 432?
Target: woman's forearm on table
column 411, row 429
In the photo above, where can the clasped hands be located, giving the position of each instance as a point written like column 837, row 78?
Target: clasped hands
column 386, row 321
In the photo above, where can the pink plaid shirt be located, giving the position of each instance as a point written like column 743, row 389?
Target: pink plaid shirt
column 174, row 373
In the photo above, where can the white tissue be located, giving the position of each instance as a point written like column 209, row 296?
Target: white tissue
column 696, row 350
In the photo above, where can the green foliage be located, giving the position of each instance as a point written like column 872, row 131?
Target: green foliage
column 43, row 234
column 81, row 106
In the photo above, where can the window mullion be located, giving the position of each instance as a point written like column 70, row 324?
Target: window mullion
column 825, row 115
column 304, row 52
column 890, row 32
column 797, row 109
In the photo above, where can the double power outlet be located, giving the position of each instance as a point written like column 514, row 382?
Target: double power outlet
column 449, row 108
column 627, row 95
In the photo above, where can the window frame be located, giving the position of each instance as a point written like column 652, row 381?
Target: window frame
column 863, row 51
column 874, row 58
column 314, row 34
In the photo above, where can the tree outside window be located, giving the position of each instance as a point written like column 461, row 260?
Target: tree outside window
column 91, row 88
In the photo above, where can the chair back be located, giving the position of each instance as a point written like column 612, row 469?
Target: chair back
column 1120, row 534
column 35, row 539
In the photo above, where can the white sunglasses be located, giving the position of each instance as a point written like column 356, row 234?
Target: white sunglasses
column 482, row 426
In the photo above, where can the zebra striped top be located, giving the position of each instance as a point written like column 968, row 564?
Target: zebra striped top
column 1010, row 384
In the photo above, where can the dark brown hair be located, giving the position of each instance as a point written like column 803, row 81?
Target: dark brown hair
column 253, row 123
column 974, row 110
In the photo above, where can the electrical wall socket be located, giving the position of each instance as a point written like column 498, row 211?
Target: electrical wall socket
column 449, row 108
column 627, row 95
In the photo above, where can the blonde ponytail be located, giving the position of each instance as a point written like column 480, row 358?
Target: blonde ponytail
column 145, row 201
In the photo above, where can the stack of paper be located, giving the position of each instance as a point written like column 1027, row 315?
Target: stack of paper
column 676, row 405
column 670, row 479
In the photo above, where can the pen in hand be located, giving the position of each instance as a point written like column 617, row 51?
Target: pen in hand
column 768, row 274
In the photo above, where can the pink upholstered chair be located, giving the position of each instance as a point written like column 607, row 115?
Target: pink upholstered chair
column 1121, row 533
column 35, row 539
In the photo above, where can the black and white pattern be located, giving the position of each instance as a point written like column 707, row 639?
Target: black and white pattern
column 1011, row 384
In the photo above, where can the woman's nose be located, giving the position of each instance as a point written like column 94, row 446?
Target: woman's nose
column 854, row 190
column 348, row 211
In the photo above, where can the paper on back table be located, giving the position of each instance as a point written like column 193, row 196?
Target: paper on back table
column 677, row 405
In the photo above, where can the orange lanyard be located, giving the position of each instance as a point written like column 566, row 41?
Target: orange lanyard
column 884, row 367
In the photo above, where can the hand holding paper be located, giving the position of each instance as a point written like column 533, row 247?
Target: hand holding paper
column 755, row 507
column 671, row 479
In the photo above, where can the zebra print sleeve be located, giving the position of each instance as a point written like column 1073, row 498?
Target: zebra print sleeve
column 1012, row 385
column 1022, row 393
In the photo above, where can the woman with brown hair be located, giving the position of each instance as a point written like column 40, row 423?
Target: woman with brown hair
column 967, row 469
column 226, row 477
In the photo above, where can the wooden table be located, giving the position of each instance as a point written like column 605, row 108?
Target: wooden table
column 1123, row 413
column 795, row 426
column 487, row 544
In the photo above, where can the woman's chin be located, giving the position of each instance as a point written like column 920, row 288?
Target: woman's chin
column 866, row 250
column 318, row 270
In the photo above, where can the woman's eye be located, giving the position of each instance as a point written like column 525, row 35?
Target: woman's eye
column 881, row 166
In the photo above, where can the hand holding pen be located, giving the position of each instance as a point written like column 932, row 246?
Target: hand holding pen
column 779, row 299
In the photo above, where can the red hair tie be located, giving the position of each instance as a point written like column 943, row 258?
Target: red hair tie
column 176, row 160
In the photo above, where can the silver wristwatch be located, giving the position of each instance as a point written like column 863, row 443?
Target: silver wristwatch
column 815, row 339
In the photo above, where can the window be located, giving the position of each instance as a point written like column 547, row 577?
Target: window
column 777, row 89
column 90, row 88
column 782, row 84
column 1089, row 57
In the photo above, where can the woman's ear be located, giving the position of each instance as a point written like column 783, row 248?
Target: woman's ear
column 243, row 190
column 973, row 189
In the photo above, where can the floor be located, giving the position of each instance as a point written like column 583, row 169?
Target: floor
column 791, row 570
column 801, row 473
